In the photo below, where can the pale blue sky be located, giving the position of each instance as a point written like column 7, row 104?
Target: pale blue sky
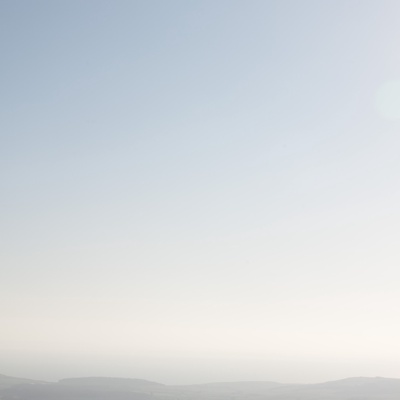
column 185, row 181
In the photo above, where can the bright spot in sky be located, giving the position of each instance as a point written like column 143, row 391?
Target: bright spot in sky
column 388, row 100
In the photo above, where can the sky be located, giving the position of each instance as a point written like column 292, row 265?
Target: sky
column 198, row 191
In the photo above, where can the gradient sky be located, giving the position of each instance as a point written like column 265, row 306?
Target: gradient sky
column 200, row 190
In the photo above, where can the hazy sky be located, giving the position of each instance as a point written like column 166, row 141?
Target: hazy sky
column 200, row 190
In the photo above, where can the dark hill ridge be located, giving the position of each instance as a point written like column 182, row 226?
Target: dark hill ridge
column 128, row 384
column 357, row 381
column 9, row 381
column 55, row 391
column 347, row 389
column 228, row 388
column 103, row 388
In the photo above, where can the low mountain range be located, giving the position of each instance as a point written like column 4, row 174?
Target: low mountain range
column 102, row 388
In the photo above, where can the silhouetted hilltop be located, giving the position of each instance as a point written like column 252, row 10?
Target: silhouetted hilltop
column 9, row 381
column 128, row 384
column 55, row 391
column 103, row 388
column 362, row 386
column 229, row 388
column 351, row 388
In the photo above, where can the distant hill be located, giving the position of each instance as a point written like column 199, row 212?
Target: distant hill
column 8, row 381
column 104, row 383
column 229, row 388
column 99, row 388
column 365, row 387
column 344, row 389
column 55, row 391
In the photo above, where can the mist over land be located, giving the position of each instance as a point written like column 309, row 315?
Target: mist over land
column 179, row 370
column 112, row 388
